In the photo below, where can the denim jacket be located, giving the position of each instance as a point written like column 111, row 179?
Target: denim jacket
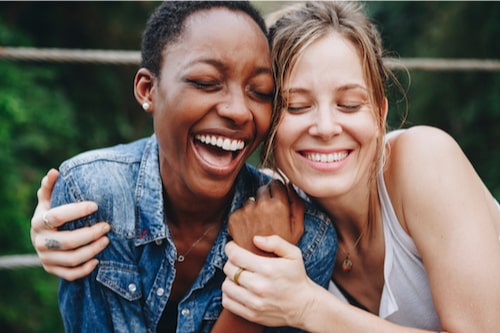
column 129, row 289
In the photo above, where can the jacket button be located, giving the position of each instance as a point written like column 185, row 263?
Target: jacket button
column 160, row 292
column 185, row 312
column 132, row 287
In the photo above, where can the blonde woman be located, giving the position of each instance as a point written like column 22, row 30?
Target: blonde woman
column 418, row 231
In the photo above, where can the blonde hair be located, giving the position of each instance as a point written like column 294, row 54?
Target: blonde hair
column 294, row 28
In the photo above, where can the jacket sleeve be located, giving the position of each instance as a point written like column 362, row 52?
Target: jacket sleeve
column 81, row 303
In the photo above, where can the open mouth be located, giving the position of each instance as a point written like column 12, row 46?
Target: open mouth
column 218, row 150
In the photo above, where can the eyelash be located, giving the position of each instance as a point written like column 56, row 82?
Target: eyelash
column 213, row 85
column 344, row 107
column 264, row 96
column 349, row 107
column 292, row 109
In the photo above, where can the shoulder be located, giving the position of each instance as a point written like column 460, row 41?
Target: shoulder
column 423, row 164
column 122, row 153
column 418, row 150
column 422, row 140
column 101, row 172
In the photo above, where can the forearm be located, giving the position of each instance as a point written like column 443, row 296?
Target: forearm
column 325, row 313
column 229, row 322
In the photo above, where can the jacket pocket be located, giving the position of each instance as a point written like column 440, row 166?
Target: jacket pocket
column 123, row 279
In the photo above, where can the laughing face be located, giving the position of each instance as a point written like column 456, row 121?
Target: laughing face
column 327, row 140
column 211, row 104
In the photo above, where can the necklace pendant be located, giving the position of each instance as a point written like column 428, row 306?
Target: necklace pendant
column 180, row 258
column 347, row 264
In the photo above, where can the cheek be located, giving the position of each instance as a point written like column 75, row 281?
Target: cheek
column 286, row 135
column 365, row 127
column 262, row 118
column 291, row 128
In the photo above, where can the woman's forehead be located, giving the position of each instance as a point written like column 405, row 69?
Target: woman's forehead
column 222, row 31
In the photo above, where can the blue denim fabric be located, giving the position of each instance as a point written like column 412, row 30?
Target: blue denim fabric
column 129, row 289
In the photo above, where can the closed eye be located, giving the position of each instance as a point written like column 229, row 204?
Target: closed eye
column 265, row 96
column 205, row 85
column 349, row 107
column 296, row 109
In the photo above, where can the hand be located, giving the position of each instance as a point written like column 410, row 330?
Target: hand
column 277, row 210
column 67, row 254
column 270, row 291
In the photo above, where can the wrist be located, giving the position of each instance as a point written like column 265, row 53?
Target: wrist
column 310, row 316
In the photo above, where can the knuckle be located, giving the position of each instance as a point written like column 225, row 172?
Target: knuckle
column 296, row 251
column 39, row 243
column 73, row 262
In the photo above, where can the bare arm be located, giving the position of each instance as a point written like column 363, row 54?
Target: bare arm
column 67, row 254
column 454, row 224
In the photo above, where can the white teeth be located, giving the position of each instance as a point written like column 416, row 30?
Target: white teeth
column 221, row 142
column 327, row 158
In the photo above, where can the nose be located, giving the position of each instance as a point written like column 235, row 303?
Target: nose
column 235, row 107
column 325, row 123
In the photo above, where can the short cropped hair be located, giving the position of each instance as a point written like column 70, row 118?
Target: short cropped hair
column 166, row 25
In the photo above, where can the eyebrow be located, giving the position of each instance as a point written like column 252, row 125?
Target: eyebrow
column 223, row 67
column 352, row 86
column 345, row 87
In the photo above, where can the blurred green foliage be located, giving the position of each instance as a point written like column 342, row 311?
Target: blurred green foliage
column 51, row 111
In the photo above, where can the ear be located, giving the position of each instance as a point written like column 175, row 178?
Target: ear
column 144, row 88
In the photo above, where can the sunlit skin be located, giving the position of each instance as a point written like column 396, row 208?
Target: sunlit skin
column 211, row 107
column 326, row 139
column 326, row 145
column 213, row 87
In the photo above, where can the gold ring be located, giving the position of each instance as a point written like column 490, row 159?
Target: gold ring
column 237, row 275
column 251, row 199
column 46, row 221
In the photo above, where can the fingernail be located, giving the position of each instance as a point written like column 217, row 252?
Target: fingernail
column 260, row 239
column 106, row 227
column 92, row 207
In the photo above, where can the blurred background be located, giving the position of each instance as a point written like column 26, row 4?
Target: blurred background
column 50, row 111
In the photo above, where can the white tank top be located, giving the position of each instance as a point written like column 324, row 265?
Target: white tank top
column 406, row 297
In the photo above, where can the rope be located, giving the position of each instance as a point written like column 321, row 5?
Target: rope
column 75, row 55
column 117, row 57
column 432, row 64
column 19, row 261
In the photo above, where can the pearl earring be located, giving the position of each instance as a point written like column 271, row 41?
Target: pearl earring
column 145, row 106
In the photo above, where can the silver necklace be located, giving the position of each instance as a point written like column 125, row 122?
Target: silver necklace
column 182, row 257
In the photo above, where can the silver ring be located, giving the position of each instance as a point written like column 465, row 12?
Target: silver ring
column 46, row 221
column 251, row 199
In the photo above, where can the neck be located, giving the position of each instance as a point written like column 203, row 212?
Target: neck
column 207, row 211
column 353, row 212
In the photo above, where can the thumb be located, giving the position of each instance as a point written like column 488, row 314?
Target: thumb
column 47, row 185
column 277, row 245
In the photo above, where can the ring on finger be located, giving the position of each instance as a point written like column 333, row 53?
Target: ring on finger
column 251, row 199
column 46, row 221
column 237, row 275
